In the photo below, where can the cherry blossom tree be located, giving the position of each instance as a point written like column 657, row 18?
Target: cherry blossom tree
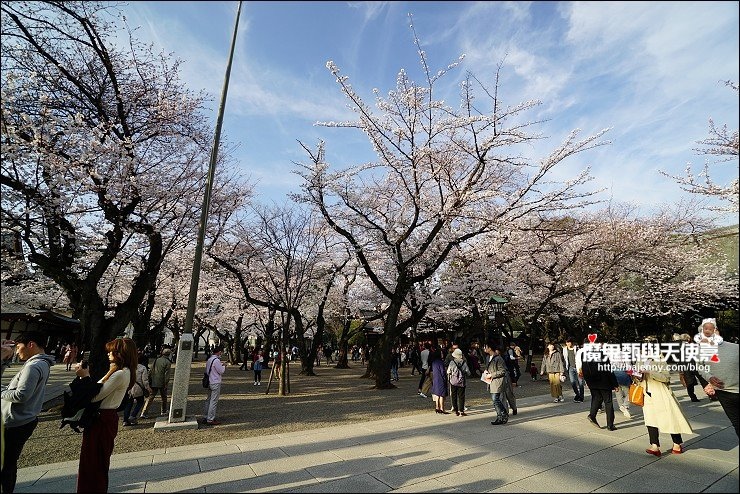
column 443, row 176
column 103, row 154
column 723, row 145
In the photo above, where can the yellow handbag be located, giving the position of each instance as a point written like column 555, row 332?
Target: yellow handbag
column 636, row 396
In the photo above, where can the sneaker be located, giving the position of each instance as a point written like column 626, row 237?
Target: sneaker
column 561, row 399
column 466, row 409
column 144, row 416
column 556, row 400
column 254, row 383
column 259, row 383
column 625, row 412
column 422, row 395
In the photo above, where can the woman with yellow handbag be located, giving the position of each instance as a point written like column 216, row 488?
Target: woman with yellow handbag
column 661, row 409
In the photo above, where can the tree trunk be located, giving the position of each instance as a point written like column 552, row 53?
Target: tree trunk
column 380, row 358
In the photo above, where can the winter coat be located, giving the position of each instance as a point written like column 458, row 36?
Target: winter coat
column 497, row 369
column 439, row 378
column 661, row 408
column 142, row 382
column 553, row 363
column 160, row 372
column 599, row 378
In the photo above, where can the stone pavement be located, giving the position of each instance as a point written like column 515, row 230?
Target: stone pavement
column 547, row 447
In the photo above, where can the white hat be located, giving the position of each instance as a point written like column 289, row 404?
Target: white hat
column 457, row 354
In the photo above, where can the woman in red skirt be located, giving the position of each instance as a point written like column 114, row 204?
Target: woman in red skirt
column 98, row 439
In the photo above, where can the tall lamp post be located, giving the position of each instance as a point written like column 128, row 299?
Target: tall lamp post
column 496, row 306
column 178, row 407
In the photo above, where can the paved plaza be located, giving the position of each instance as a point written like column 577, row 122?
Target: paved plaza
column 547, row 447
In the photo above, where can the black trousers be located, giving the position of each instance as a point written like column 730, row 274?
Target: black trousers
column 654, row 436
column 730, row 403
column 599, row 396
column 15, row 439
column 458, row 398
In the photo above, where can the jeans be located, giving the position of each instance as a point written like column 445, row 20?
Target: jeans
column 394, row 371
column 576, row 382
column 498, row 406
column 132, row 408
column 423, row 378
column 623, row 397
column 214, row 391
column 15, row 439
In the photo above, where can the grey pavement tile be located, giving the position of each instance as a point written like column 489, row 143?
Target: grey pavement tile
column 728, row 483
column 646, row 480
column 134, row 487
column 223, row 449
column 320, row 444
column 419, row 454
column 547, row 456
column 65, row 484
column 489, row 476
column 371, row 449
column 275, row 482
column 51, row 476
column 137, row 454
column 144, row 459
column 565, row 478
column 234, row 459
column 687, row 466
column 357, row 483
column 343, row 469
column 162, row 471
column 426, row 486
column 201, row 480
column 616, row 462
column 293, row 463
column 402, row 475
column 213, row 446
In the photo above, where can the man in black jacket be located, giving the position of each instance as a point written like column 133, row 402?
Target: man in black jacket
column 601, row 381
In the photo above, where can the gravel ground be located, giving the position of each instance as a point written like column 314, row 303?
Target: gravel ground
column 332, row 397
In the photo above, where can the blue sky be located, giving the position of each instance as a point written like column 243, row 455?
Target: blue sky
column 650, row 71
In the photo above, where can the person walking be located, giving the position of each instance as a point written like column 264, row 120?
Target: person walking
column 661, row 409
column 601, row 381
column 493, row 376
column 458, row 371
column 570, row 356
column 424, row 361
column 160, row 380
column 70, row 356
column 140, row 390
column 508, row 399
column 722, row 381
column 554, row 366
column 624, row 380
column 685, row 374
column 513, row 355
column 215, row 369
column 22, row 400
column 98, row 439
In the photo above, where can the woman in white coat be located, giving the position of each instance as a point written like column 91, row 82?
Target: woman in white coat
column 661, row 409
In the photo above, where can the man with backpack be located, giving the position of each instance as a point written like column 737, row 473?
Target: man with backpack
column 22, row 401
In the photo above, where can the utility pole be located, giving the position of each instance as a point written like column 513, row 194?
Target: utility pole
column 179, row 401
